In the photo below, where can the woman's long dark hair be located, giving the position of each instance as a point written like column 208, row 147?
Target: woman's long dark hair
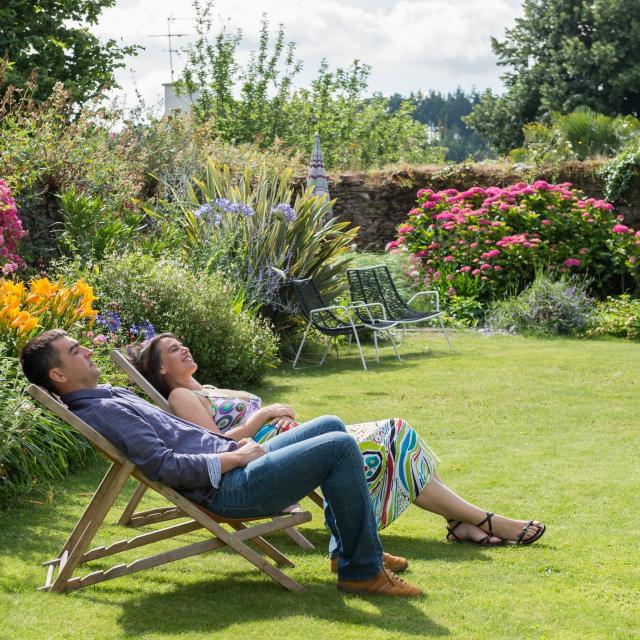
column 146, row 359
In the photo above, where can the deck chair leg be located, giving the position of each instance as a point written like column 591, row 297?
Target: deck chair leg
column 89, row 511
column 446, row 335
column 129, row 510
column 298, row 538
column 375, row 346
column 280, row 559
column 113, row 482
column 229, row 538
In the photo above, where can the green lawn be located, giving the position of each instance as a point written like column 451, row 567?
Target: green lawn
column 525, row 427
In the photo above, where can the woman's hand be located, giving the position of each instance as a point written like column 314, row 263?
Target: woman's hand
column 279, row 411
column 285, row 423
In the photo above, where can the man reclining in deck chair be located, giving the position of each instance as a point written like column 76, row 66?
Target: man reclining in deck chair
column 232, row 479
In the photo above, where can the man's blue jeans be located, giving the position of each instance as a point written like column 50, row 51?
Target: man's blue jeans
column 317, row 453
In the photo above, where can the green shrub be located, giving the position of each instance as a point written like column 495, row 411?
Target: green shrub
column 618, row 317
column 36, row 448
column 232, row 347
column 545, row 307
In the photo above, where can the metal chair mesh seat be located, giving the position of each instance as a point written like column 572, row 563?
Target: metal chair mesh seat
column 374, row 284
column 326, row 322
column 339, row 320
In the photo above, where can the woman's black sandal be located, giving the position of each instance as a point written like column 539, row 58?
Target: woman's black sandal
column 452, row 525
column 489, row 532
column 541, row 529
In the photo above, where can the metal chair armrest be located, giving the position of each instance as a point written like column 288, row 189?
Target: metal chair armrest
column 333, row 307
column 431, row 292
column 368, row 305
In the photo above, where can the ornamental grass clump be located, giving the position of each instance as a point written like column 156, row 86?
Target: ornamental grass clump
column 250, row 228
column 546, row 307
column 493, row 239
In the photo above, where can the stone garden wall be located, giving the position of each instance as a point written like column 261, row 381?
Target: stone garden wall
column 379, row 201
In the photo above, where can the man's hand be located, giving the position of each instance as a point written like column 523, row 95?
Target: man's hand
column 249, row 450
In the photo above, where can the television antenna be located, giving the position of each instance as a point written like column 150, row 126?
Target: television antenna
column 170, row 35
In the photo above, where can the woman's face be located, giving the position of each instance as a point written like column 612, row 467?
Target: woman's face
column 175, row 359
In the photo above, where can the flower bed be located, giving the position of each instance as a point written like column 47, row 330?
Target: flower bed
column 489, row 241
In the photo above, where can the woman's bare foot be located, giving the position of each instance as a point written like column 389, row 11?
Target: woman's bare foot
column 465, row 532
column 521, row 531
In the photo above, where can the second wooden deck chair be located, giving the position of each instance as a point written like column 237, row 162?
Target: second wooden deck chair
column 76, row 550
column 131, row 518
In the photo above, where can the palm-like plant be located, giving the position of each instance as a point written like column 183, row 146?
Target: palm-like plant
column 593, row 134
column 252, row 228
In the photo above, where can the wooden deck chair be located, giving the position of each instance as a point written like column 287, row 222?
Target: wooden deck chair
column 131, row 518
column 76, row 549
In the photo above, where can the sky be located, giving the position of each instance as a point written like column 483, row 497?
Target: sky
column 411, row 44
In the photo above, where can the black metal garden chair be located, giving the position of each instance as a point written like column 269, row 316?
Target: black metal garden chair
column 340, row 320
column 371, row 285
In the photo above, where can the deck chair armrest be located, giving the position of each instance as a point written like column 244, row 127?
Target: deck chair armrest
column 432, row 293
column 367, row 306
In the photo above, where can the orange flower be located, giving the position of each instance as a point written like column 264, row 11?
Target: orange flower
column 20, row 318
column 28, row 325
column 43, row 287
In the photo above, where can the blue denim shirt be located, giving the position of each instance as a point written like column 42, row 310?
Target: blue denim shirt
column 178, row 453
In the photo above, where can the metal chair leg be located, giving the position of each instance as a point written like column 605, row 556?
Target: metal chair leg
column 295, row 362
column 375, row 344
column 446, row 335
column 355, row 335
column 393, row 343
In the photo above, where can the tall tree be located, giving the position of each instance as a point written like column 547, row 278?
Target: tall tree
column 562, row 54
column 52, row 39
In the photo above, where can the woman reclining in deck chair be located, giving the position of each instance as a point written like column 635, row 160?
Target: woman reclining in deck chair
column 399, row 467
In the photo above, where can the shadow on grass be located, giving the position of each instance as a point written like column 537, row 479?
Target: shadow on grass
column 196, row 607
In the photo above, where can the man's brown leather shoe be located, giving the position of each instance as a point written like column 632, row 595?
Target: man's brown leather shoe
column 397, row 564
column 386, row 583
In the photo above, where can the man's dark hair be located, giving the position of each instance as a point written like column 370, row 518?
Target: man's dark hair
column 39, row 356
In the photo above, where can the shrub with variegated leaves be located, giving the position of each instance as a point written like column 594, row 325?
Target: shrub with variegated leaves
column 491, row 240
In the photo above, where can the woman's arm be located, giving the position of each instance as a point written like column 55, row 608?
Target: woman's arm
column 186, row 405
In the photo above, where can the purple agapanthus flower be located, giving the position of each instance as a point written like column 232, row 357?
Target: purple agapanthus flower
column 110, row 320
column 217, row 219
column 204, row 210
column 243, row 209
column 144, row 327
column 224, row 205
column 287, row 211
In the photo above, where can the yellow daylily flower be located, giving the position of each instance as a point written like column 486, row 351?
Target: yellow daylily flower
column 43, row 287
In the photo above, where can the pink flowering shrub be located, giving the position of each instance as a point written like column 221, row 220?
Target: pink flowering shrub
column 10, row 231
column 485, row 241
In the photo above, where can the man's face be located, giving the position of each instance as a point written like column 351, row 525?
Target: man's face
column 77, row 370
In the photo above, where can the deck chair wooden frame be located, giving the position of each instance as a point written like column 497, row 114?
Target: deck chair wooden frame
column 131, row 518
column 76, row 552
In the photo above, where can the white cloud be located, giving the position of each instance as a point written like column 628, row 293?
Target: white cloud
column 411, row 44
